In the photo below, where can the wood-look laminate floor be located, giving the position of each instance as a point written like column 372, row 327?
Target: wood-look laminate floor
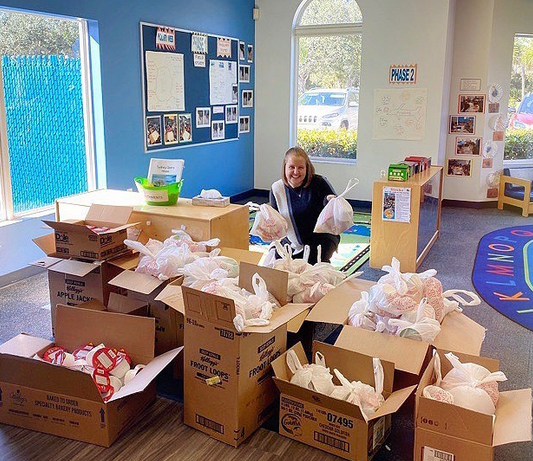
column 158, row 436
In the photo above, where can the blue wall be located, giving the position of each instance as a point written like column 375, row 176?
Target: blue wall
column 226, row 166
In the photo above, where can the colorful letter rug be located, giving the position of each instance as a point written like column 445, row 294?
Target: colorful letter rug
column 503, row 272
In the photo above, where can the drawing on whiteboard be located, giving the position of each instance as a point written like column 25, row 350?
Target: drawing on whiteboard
column 400, row 113
column 164, row 81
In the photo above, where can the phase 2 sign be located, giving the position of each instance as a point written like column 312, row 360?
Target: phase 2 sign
column 403, row 73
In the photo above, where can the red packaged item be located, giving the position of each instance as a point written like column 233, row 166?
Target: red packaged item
column 81, row 352
column 105, row 359
column 102, row 381
column 55, row 355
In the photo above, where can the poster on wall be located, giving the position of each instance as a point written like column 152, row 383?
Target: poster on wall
column 164, row 81
column 222, row 77
column 396, row 204
column 400, row 113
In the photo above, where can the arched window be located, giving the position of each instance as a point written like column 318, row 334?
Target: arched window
column 327, row 70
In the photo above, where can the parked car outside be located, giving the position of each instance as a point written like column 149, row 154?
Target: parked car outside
column 328, row 109
column 523, row 116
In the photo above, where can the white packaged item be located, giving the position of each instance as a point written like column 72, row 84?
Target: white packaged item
column 421, row 329
column 409, row 284
column 132, row 373
column 207, row 269
column 269, row 225
column 211, row 193
column 315, row 376
column 337, row 215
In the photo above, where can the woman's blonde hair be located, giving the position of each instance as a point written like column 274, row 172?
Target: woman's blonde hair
column 309, row 167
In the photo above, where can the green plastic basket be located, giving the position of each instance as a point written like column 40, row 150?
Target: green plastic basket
column 158, row 195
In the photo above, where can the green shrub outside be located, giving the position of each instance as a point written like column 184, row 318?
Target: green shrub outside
column 329, row 144
column 518, row 144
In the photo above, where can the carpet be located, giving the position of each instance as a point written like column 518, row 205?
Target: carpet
column 354, row 248
column 503, row 272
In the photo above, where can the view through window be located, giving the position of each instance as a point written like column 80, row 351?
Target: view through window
column 328, row 40
column 519, row 133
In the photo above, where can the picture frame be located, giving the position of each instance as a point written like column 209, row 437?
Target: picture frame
column 487, row 162
column 231, row 114
column 462, row 124
column 185, row 127
column 153, row 130
column 470, row 84
column 468, row 145
column 250, row 56
column 247, row 98
column 471, row 103
column 217, row 130
column 203, row 117
column 459, row 167
column 244, row 74
column 242, row 51
column 170, row 123
column 244, row 124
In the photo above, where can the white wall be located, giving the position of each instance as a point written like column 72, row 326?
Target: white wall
column 406, row 32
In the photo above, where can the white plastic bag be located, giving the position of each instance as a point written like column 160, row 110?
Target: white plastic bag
column 207, row 269
column 422, row 329
column 269, row 225
column 315, row 376
column 337, row 215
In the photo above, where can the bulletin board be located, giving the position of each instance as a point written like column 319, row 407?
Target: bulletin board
column 190, row 83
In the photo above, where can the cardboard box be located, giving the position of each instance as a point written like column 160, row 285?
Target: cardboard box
column 53, row 399
column 231, row 409
column 330, row 424
column 75, row 239
column 458, row 333
column 218, row 202
column 449, row 432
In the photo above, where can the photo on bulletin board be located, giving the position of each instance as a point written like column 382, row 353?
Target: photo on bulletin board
column 217, row 130
column 153, row 131
column 244, row 74
column 486, row 163
column 460, row 124
column 203, row 117
column 244, row 124
column 170, row 122
column 185, row 75
column 457, row 167
column 468, row 146
column 231, row 114
column 471, row 103
column 247, row 98
column 242, row 51
column 250, row 53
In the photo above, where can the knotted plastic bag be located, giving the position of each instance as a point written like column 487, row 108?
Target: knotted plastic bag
column 207, row 269
column 269, row 225
column 359, row 314
column 180, row 237
column 315, row 376
column 407, row 284
column 337, row 215
column 422, row 329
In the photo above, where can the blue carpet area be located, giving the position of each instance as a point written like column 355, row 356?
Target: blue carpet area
column 503, row 272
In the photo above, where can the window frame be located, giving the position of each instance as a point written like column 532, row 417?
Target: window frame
column 322, row 30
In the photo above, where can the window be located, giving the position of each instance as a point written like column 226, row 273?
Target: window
column 519, row 133
column 327, row 74
column 46, row 137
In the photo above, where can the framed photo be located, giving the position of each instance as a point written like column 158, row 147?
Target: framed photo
column 231, row 114
column 244, row 124
column 185, row 128
column 217, row 130
column 250, row 53
column 468, row 146
column 247, row 98
column 470, row 84
column 242, row 50
column 244, row 74
column 471, row 103
column 456, row 167
column 486, row 163
column 235, row 93
column 203, row 117
column 461, row 124
column 153, row 131
column 170, row 123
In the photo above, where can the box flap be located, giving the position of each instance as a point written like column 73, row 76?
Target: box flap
column 394, row 402
column 294, row 325
column 93, row 304
column 46, row 262
column 109, row 214
column 461, row 334
column 252, row 257
column 123, row 304
column 354, row 365
column 406, row 354
column 24, row 345
column 47, row 243
column 36, row 374
column 73, row 267
column 212, row 308
column 147, row 374
column 126, row 261
column 276, row 280
column 334, row 307
column 513, row 417
column 135, row 281
column 172, row 296
column 279, row 317
column 71, row 225
column 279, row 366
column 75, row 327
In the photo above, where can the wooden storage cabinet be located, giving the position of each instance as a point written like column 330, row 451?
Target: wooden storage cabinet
column 410, row 241
column 229, row 224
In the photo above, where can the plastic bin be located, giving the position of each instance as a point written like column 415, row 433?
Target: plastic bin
column 159, row 195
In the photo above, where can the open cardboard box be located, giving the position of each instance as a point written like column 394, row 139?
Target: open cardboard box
column 447, row 431
column 228, row 386
column 74, row 238
column 330, row 424
column 53, row 399
column 458, row 333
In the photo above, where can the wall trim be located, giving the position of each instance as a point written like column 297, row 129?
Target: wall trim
column 18, row 275
column 465, row 204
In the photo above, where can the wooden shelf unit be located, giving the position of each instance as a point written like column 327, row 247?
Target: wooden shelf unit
column 408, row 242
column 229, row 224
